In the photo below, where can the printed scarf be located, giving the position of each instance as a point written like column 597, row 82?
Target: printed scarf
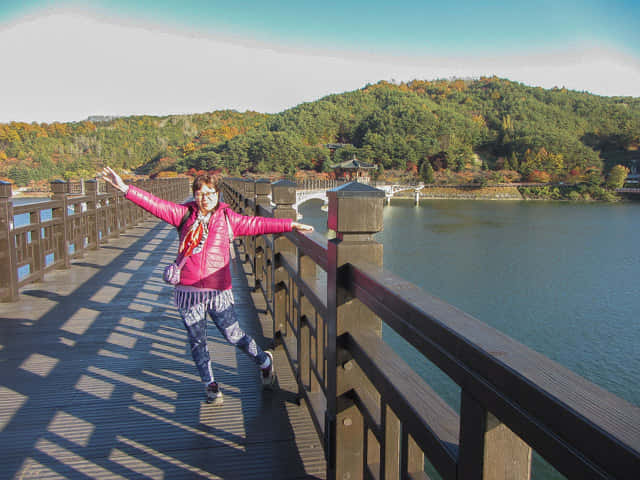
column 195, row 237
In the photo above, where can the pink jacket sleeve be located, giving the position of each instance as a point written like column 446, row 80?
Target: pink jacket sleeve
column 163, row 209
column 245, row 225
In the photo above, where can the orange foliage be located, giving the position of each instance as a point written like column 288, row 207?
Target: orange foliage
column 412, row 168
column 538, row 176
column 167, row 174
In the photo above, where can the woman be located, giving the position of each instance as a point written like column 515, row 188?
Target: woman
column 205, row 279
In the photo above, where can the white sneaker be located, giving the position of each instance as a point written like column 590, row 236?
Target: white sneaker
column 268, row 376
column 214, row 395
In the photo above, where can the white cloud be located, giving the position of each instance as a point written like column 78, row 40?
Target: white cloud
column 67, row 66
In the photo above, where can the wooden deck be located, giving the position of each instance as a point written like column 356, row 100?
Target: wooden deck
column 96, row 380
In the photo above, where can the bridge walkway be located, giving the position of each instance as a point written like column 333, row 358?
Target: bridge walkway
column 96, row 380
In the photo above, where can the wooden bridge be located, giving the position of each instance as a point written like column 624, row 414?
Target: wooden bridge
column 96, row 379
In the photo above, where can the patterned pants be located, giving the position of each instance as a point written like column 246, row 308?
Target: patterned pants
column 195, row 321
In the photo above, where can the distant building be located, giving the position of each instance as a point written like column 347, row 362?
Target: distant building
column 335, row 146
column 354, row 170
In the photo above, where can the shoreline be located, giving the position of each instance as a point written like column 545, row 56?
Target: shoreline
column 501, row 194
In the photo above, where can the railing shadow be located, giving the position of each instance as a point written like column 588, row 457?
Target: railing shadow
column 97, row 380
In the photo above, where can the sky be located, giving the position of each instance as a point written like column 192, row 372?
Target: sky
column 67, row 60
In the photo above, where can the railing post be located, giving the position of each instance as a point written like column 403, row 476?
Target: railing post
column 8, row 258
column 113, row 196
column 122, row 213
column 306, row 314
column 489, row 450
column 37, row 258
column 60, row 190
column 262, row 190
column 93, row 232
column 283, row 193
column 250, row 242
column 355, row 214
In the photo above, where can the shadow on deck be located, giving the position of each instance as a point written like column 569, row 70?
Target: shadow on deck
column 97, row 380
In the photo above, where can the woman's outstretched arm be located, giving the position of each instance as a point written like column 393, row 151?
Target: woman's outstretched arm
column 114, row 179
column 302, row 227
column 170, row 212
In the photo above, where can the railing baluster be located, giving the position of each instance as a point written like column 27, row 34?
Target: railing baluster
column 37, row 254
column 250, row 244
column 9, row 263
column 93, row 233
column 307, row 273
column 60, row 190
column 489, row 450
column 262, row 191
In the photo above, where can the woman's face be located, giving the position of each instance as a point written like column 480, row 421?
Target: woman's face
column 206, row 199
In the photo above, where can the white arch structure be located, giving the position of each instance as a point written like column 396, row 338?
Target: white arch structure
column 303, row 196
column 391, row 190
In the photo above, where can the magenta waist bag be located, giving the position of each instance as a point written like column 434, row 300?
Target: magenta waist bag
column 171, row 273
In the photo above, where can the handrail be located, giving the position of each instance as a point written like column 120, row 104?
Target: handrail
column 547, row 404
column 377, row 418
column 83, row 216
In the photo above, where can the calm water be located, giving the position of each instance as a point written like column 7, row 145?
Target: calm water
column 561, row 278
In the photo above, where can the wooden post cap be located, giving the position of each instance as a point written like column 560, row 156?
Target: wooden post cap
column 249, row 188
column 91, row 185
column 355, row 208
column 5, row 189
column 263, row 187
column 59, row 186
column 283, row 192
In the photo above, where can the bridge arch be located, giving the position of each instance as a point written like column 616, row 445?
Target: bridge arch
column 306, row 195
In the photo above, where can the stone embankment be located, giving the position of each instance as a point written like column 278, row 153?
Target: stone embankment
column 468, row 193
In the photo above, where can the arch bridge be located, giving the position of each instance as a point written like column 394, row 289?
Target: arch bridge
column 318, row 190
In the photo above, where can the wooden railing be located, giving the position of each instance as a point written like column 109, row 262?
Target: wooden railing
column 318, row 184
column 81, row 217
column 377, row 417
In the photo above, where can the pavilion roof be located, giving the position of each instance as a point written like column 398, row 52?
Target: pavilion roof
column 354, row 164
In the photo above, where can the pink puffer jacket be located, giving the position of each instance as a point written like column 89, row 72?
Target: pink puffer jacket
column 210, row 267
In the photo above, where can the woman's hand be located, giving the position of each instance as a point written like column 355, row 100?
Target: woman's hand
column 114, row 179
column 301, row 227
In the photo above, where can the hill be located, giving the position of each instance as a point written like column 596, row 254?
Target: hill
column 491, row 124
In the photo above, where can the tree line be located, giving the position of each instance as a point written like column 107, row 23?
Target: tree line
column 492, row 125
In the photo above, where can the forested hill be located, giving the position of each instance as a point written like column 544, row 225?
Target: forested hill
column 452, row 125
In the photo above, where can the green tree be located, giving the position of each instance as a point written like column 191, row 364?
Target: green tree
column 426, row 172
column 617, row 176
column 20, row 175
